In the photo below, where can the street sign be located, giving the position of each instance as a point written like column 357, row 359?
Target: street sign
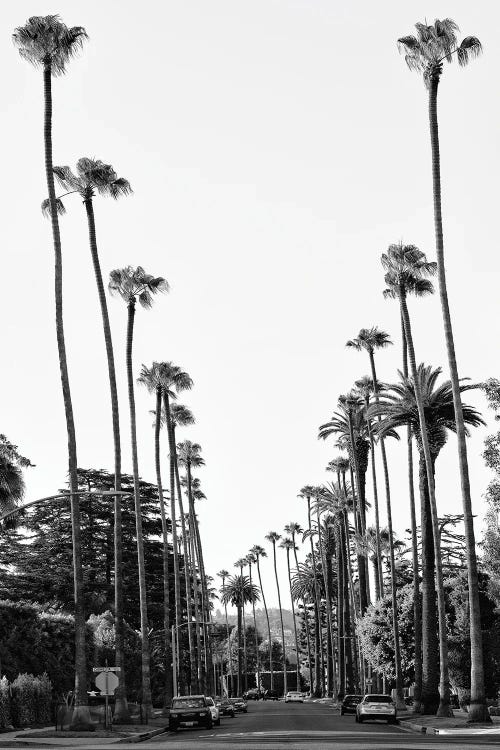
column 107, row 682
column 106, row 669
column 369, row 682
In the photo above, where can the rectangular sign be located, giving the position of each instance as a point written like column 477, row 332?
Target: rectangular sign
column 106, row 669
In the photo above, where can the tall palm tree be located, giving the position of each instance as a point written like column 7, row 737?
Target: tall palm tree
column 238, row 591
column 370, row 339
column 224, row 574
column 407, row 271
column 189, row 457
column 240, row 564
column 273, row 537
column 426, row 54
column 399, row 407
column 172, row 381
column 294, row 529
column 307, row 493
column 182, row 416
column 47, row 43
column 257, row 551
column 250, row 560
column 95, row 176
column 151, row 378
column 132, row 285
column 11, row 476
column 287, row 544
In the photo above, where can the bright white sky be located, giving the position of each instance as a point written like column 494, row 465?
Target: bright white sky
column 275, row 149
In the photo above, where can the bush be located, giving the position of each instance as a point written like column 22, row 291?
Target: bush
column 31, row 699
column 5, row 713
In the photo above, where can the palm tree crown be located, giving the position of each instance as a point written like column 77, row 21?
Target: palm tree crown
column 273, row 537
column 46, row 40
column 238, row 591
column 406, row 270
column 370, row 339
column 435, row 43
column 189, row 455
column 398, row 407
column 131, row 283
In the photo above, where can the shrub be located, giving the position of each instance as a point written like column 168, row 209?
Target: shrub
column 5, row 712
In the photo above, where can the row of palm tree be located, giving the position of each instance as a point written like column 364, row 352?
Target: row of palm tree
column 48, row 43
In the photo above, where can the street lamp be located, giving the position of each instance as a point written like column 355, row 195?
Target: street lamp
column 174, row 629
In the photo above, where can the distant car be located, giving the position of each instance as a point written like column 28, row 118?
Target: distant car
column 240, row 705
column 376, row 706
column 214, row 710
column 271, row 695
column 348, row 705
column 225, row 707
column 189, row 711
column 254, row 694
column 293, row 696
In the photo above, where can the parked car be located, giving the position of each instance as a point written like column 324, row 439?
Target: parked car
column 225, row 707
column 254, row 694
column 271, row 695
column 348, row 705
column 376, row 706
column 214, row 710
column 293, row 696
column 240, row 705
column 189, row 711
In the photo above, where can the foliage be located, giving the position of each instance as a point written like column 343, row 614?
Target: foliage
column 31, row 700
column 5, row 710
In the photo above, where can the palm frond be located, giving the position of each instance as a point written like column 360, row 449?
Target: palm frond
column 60, row 209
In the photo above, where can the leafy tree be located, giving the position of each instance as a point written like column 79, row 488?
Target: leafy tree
column 47, row 43
column 426, row 53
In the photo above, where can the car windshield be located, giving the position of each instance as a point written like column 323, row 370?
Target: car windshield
column 188, row 703
column 378, row 699
column 352, row 699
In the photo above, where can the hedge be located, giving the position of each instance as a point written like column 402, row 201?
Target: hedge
column 25, row 701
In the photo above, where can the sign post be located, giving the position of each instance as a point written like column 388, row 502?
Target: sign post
column 107, row 682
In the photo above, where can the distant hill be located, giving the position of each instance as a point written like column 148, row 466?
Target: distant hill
column 260, row 617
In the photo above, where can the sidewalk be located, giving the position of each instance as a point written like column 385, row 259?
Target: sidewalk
column 47, row 737
column 453, row 726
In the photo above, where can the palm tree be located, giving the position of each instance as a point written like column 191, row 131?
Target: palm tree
column 173, row 380
column 287, row 544
column 257, row 551
column 365, row 388
column 237, row 592
column 151, row 378
column 95, row 176
column 240, row 564
column 407, row 271
column 182, row 416
column 189, row 457
column 319, row 668
column 294, row 529
column 370, row 339
column 273, row 537
column 399, row 406
column 11, row 475
column 250, row 560
column 426, row 54
column 132, row 285
column 47, row 43
column 224, row 574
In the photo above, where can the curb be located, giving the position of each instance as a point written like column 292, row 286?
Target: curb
column 417, row 728
column 142, row 737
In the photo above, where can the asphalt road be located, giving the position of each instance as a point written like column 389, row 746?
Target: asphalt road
column 301, row 725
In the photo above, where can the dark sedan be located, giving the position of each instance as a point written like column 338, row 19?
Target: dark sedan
column 348, row 705
column 240, row 705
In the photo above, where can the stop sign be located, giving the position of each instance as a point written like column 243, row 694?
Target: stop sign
column 107, row 682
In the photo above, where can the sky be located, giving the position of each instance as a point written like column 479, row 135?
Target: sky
column 275, row 149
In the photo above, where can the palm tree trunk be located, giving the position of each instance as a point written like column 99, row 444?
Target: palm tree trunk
column 352, row 651
column 478, row 710
column 285, row 688
column 319, row 667
column 145, row 657
column 229, row 659
column 121, row 712
column 187, row 563
column 245, row 653
column 199, row 670
column 358, row 524
column 417, row 604
column 81, row 715
column 340, row 616
column 166, row 591
column 306, row 624
column 395, row 625
column 257, row 664
column 240, row 625
column 378, row 577
column 173, row 514
column 330, row 655
column 297, row 668
column 444, row 687
column 207, row 615
column 268, row 626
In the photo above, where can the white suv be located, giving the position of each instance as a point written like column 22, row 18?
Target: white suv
column 376, row 706
column 293, row 696
column 214, row 710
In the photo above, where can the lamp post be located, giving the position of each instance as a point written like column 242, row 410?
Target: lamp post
column 173, row 630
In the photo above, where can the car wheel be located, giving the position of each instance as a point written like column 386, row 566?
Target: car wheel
column 341, row 712
column 210, row 724
column 360, row 719
column 217, row 723
column 172, row 728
